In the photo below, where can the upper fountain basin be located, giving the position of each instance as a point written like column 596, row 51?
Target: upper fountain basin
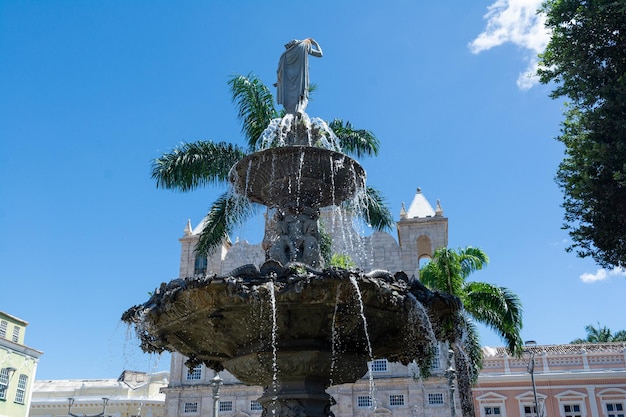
column 297, row 176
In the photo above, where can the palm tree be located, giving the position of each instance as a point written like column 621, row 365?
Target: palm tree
column 193, row 165
column 601, row 334
column 496, row 307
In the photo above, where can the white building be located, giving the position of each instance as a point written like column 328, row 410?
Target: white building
column 133, row 394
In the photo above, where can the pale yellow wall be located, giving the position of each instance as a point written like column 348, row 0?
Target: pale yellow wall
column 14, row 354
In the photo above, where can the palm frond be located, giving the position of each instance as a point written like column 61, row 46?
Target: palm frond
column 472, row 260
column 375, row 211
column 358, row 142
column 255, row 105
column 443, row 273
column 226, row 212
column 498, row 308
column 470, row 343
column 196, row 164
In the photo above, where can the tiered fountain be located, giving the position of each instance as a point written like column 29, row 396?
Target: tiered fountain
column 291, row 325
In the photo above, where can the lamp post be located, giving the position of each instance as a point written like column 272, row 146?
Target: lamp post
column 105, row 401
column 531, row 370
column 450, row 373
column 215, row 383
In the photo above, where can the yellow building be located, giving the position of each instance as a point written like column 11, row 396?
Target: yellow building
column 18, row 365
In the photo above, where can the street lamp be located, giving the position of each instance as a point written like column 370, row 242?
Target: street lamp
column 531, row 370
column 105, row 401
column 215, row 383
column 450, row 373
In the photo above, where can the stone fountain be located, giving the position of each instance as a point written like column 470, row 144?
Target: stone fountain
column 293, row 325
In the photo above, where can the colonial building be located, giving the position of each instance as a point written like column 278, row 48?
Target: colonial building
column 133, row 394
column 570, row 381
column 388, row 389
column 18, row 366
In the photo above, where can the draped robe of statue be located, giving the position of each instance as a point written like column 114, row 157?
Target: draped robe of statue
column 293, row 75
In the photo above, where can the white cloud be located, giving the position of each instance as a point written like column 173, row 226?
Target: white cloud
column 602, row 274
column 516, row 22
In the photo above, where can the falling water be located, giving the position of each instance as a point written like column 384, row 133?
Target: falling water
column 347, row 236
column 367, row 337
column 270, row 286
column 287, row 131
column 419, row 322
column 299, row 178
column 463, row 379
column 334, row 337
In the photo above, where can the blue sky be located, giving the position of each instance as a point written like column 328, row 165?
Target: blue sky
column 91, row 92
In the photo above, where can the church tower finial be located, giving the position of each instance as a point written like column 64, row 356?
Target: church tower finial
column 438, row 210
column 188, row 229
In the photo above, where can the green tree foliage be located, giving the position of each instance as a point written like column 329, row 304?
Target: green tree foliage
column 601, row 334
column 496, row 307
column 586, row 61
column 206, row 163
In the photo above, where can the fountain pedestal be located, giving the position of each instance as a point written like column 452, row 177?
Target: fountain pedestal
column 297, row 181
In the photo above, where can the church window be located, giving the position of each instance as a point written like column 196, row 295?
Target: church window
column 396, row 400
column 379, row 365
column 190, row 407
column 435, row 363
column 435, row 398
column 200, row 265
column 364, row 401
column 195, row 373
column 226, row 406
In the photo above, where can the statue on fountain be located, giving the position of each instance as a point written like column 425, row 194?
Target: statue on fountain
column 292, row 87
column 296, row 237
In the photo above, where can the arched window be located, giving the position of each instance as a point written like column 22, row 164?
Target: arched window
column 424, row 247
column 200, row 265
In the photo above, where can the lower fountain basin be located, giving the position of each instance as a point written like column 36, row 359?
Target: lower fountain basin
column 297, row 323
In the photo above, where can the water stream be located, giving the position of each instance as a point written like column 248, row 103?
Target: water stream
column 270, row 286
column 306, row 131
column 367, row 339
column 334, row 336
